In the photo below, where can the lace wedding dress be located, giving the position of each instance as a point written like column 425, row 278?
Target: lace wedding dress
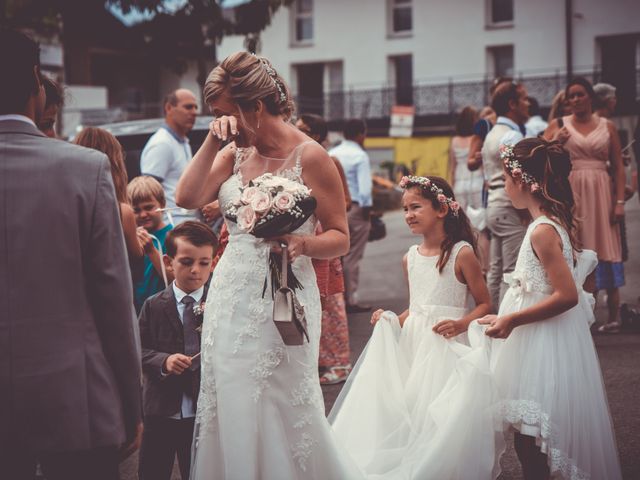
column 419, row 405
column 260, row 410
column 548, row 374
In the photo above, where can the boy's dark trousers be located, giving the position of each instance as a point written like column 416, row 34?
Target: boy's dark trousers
column 161, row 332
column 162, row 439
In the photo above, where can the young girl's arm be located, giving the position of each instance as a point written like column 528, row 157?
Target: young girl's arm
column 403, row 316
column 468, row 271
column 474, row 161
column 547, row 245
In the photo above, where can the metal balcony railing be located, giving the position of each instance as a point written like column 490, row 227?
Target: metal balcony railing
column 445, row 98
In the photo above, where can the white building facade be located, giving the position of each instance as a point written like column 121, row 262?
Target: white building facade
column 359, row 57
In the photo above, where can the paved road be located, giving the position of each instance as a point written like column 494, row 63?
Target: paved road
column 383, row 286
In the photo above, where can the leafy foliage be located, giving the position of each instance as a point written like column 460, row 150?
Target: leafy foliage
column 197, row 25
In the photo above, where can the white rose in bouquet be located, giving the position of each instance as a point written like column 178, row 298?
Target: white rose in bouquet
column 295, row 188
column 260, row 202
column 284, row 201
column 271, row 181
column 248, row 194
column 246, row 218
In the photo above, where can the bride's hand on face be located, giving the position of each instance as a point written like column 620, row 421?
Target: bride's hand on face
column 224, row 127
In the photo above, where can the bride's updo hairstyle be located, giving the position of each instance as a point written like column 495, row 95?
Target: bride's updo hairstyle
column 248, row 78
column 545, row 167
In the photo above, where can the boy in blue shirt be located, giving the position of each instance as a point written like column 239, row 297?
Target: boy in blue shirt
column 147, row 199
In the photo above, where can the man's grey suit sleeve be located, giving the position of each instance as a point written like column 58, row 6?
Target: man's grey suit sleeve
column 108, row 281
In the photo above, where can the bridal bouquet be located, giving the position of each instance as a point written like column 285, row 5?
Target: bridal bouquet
column 272, row 206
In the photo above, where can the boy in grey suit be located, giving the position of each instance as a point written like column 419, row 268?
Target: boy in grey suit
column 69, row 368
column 169, row 329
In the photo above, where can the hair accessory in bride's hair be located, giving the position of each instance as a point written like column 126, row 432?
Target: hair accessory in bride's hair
column 274, row 77
column 426, row 184
column 514, row 168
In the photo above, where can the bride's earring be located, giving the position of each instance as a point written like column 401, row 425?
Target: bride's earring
column 258, row 124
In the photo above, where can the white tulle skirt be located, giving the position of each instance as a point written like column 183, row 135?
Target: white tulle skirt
column 551, row 387
column 419, row 406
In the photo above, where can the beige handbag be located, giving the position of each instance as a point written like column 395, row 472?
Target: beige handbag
column 288, row 314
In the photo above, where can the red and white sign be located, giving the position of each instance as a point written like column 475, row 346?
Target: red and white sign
column 401, row 121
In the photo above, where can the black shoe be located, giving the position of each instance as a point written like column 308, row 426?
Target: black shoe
column 355, row 308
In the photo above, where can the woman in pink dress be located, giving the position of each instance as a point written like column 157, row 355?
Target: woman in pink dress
column 594, row 145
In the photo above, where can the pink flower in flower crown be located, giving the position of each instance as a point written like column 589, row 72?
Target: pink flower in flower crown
column 404, row 181
column 284, row 201
column 260, row 202
column 516, row 172
column 455, row 206
column 441, row 198
column 535, row 187
column 248, row 194
column 246, row 218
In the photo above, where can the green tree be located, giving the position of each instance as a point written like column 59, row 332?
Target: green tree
column 191, row 31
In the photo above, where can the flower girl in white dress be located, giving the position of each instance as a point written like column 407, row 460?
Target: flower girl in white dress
column 417, row 404
column 546, row 369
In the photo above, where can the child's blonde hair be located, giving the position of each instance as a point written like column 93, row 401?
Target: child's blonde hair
column 145, row 188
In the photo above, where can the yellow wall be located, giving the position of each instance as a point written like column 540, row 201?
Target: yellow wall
column 429, row 154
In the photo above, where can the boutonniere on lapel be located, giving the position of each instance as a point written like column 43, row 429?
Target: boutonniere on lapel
column 198, row 311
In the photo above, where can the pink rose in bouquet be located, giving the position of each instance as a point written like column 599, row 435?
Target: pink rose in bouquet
column 260, row 202
column 246, row 218
column 248, row 194
column 270, row 206
column 284, row 201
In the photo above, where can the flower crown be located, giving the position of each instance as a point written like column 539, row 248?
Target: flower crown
column 427, row 184
column 274, row 77
column 514, row 167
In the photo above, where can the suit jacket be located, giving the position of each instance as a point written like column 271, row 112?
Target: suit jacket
column 69, row 371
column 162, row 334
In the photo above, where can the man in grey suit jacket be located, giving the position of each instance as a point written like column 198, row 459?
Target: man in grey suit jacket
column 69, row 369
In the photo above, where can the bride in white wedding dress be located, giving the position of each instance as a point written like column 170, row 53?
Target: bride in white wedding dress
column 260, row 410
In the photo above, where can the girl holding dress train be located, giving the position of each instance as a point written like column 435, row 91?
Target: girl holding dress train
column 546, row 368
column 414, row 406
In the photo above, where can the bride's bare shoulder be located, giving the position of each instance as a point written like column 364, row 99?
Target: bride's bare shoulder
column 314, row 157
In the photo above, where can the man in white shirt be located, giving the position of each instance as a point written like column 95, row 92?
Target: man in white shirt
column 535, row 125
column 355, row 162
column 166, row 154
column 506, row 224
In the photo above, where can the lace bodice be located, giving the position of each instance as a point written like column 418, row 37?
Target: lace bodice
column 529, row 272
column 428, row 287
